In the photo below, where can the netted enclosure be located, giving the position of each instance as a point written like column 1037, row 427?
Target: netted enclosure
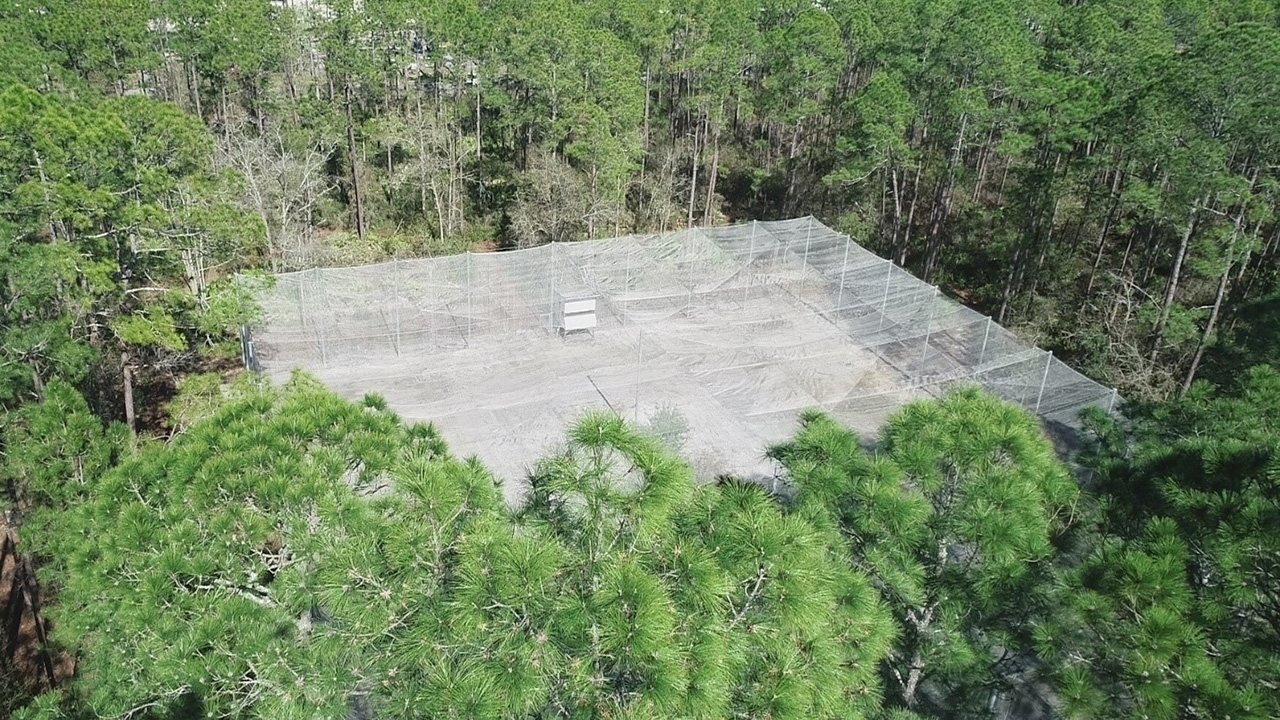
column 733, row 329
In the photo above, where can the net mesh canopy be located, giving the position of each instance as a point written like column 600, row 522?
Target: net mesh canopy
column 712, row 338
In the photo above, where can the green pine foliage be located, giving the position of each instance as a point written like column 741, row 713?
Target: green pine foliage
column 1179, row 613
column 955, row 518
column 295, row 555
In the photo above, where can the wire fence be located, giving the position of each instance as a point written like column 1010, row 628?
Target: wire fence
column 765, row 317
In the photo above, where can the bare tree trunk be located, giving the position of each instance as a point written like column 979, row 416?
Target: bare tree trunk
column 911, row 218
column 193, row 87
column 356, row 195
column 942, row 208
column 1112, row 205
column 693, row 176
column 1174, row 275
column 789, row 200
column 1209, row 326
column 129, row 418
column 1220, row 294
column 644, row 137
column 711, row 180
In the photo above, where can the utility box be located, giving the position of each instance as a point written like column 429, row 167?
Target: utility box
column 574, row 313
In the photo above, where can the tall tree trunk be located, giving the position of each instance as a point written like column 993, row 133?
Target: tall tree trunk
column 693, row 176
column 356, row 195
column 193, row 87
column 130, row 418
column 1221, row 292
column 911, row 218
column 714, row 173
column 644, row 137
column 1175, row 274
column 790, row 201
column 1112, row 204
column 1209, row 326
column 942, row 208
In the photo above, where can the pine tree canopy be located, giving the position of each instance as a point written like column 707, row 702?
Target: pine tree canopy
column 955, row 517
column 1178, row 609
column 297, row 555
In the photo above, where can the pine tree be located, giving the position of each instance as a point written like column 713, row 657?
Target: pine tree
column 296, row 554
column 955, row 517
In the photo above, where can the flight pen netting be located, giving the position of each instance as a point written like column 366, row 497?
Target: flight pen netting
column 763, row 319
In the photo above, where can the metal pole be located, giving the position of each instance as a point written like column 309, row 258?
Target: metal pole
column 324, row 353
column 804, row 265
column 626, row 286
column 395, row 272
column 928, row 326
column 551, row 306
column 844, row 268
column 244, row 331
column 1111, row 403
column 468, row 298
column 884, row 304
column 639, row 365
column 302, row 317
column 751, row 259
column 1048, row 360
column 982, row 356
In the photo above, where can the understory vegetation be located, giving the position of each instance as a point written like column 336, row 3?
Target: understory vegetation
column 181, row 540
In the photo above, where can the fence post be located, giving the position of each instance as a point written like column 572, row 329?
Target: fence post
column 804, row 264
column 626, row 285
column 751, row 260
column 244, row 336
column 844, row 268
column 982, row 356
column 928, row 326
column 395, row 273
column 1111, row 402
column 639, row 365
column 468, row 298
column 551, row 281
column 888, row 278
column 302, row 316
column 324, row 352
column 1048, row 360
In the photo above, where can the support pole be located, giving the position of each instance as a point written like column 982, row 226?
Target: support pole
column 245, row 352
column 324, row 352
column 551, row 281
column 395, row 308
column 639, row 364
column 982, row 356
column 302, row 316
column 468, row 298
column 751, row 260
column 1048, row 360
column 844, row 268
column 1111, row 403
column 626, row 286
column 808, row 233
column 884, row 303
column 928, row 326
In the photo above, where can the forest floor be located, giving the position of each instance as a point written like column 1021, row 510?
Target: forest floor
column 23, row 652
